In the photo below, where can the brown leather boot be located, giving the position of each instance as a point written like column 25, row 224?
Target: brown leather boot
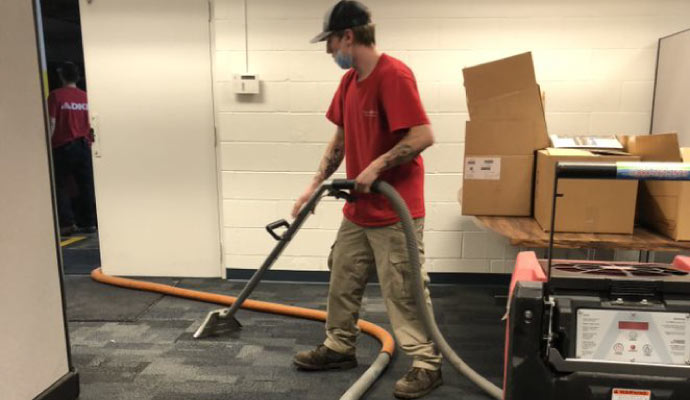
column 324, row 358
column 417, row 382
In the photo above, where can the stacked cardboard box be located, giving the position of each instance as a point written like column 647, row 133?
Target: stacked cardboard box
column 587, row 206
column 506, row 126
column 663, row 205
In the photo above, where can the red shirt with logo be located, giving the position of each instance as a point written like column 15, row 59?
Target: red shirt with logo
column 376, row 113
column 69, row 108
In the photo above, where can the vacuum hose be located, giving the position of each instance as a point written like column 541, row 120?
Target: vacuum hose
column 427, row 315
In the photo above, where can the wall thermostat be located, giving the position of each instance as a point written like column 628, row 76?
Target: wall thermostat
column 246, row 84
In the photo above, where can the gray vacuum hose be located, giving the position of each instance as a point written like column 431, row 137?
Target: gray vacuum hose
column 368, row 378
column 427, row 315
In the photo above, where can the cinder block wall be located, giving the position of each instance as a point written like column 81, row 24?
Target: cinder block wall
column 595, row 60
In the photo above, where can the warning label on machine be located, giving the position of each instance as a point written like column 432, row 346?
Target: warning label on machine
column 631, row 394
column 633, row 336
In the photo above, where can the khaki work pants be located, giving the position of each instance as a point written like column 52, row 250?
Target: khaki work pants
column 357, row 252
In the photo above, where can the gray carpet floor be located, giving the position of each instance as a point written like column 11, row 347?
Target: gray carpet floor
column 135, row 345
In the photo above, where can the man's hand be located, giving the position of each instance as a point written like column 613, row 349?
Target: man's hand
column 414, row 142
column 299, row 203
column 368, row 176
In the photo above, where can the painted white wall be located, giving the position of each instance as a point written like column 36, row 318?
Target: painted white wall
column 34, row 349
column 595, row 59
column 148, row 68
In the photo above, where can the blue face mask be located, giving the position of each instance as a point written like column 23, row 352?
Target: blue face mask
column 343, row 60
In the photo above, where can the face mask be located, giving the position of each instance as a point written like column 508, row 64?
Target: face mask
column 343, row 60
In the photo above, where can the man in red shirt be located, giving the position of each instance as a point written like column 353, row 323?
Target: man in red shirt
column 70, row 134
column 381, row 130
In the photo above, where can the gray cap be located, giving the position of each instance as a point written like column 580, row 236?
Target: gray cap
column 343, row 15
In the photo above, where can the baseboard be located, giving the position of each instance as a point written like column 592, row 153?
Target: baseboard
column 66, row 388
column 323, row 277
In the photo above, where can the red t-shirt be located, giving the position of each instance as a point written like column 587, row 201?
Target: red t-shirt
column 375, row 114
column 69, row 108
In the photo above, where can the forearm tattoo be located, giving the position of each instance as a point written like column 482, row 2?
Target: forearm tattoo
column 331, row 161
column 400, row 154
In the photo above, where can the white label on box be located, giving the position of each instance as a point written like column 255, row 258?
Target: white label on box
column 483, row 168
column 631, row 394
column 585, row 142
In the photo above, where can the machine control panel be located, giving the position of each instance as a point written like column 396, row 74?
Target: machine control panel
column 633, row 336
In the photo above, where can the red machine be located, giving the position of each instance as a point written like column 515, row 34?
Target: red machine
column 599, row 330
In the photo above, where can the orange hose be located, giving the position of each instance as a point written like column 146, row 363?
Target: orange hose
column 387, row 342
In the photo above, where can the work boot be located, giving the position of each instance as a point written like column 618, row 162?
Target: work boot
column 417, row 382
column 324, row 358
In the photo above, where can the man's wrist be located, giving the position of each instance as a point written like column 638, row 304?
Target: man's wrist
column 379, row 165
column 317, row 181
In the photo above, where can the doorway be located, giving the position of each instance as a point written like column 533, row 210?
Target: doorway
column 72, row 161
column 150, row 105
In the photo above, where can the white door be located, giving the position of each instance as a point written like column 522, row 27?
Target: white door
column 148, row 73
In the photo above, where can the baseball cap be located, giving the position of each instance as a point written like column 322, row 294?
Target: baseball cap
column 343, row 15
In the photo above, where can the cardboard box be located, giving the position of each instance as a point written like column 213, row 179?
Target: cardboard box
column 507, row 125
column 504, row 137
column 499, row 185
column 663, row 205
column 525, row 104
column 660, row 148
column 497, row 78
column 499, row 167
column 505, row 89
column 587, row 206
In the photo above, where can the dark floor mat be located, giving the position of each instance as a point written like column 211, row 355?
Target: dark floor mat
column 88, row 300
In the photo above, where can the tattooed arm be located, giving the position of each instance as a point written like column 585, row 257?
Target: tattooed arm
column 414, row 142
column 332, row 158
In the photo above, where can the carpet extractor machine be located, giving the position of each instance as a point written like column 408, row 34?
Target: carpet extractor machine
column 589, row 330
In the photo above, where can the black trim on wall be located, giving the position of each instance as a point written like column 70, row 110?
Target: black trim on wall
column 66, row 388
column 324, row 276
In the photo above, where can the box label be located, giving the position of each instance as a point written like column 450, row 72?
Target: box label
column 483, row 168
column 631, row 394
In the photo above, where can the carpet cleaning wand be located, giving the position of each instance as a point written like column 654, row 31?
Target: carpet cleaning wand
column 222, row 321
